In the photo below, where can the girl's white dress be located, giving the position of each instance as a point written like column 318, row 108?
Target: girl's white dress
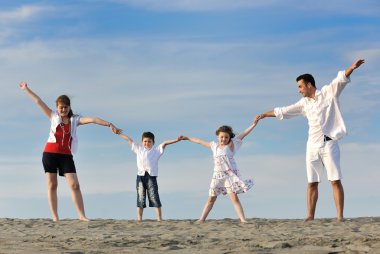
column 226, row 178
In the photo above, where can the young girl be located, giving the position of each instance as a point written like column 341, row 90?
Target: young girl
column 226, row 178
column 62, row 142
column 147, row 156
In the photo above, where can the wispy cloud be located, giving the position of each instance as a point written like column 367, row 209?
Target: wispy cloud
column 320, row 8
column 178, row 80
column 23, row 13
column 196, row 5
column 11, row 19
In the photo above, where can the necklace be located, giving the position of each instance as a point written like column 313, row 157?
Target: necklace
column 65, row 133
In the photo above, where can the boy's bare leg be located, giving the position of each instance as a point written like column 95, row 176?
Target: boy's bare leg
column 159, row 213
column 140, row 213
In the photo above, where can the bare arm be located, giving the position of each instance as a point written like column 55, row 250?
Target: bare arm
column 196, row 140
column 96, row 120
column 249, row 129
column 130, row 141
column 354, row 66
column 169, row 142
column 36, row 99
column 266, row 114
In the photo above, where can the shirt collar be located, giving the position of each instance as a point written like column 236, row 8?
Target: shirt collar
column 317, row 94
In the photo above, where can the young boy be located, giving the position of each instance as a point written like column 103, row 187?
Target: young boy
column 147, row 165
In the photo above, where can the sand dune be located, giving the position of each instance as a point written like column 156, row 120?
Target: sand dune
column 356, row 235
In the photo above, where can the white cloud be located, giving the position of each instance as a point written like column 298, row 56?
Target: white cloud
column 196, row 5
column 10, row 20
column 320, row 8
column 371, row 56
column 23, row 13
column 351, row 7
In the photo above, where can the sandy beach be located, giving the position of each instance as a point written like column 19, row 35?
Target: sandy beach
column 356, row 235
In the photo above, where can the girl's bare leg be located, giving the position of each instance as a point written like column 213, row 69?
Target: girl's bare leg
column 207, row 208
column 238, row 207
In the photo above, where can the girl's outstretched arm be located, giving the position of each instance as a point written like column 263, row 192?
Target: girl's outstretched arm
column 36, row 99
column 249, row 129
column 169, row 142
column 196, row 140
column 96, row 120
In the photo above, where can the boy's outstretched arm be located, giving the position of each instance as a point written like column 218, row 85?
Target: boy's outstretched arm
column 196, row 140
column 169, row 142
column 249, row 129
column 130, row 141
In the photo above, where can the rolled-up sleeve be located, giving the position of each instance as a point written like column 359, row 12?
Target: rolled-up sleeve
column 289, row 111
column 337, row 85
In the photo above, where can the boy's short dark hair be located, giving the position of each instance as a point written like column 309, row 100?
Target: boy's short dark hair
column 148, row 134
column 306, row 78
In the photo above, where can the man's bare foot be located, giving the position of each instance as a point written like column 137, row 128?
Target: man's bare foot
column 308, row 219
column 340, row 219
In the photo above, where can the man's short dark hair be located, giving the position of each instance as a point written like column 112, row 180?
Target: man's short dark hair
column 306, row 78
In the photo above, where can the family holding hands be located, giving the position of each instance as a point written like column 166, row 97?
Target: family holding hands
column 320, row 107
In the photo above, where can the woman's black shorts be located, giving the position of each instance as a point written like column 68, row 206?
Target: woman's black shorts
column 63, row 163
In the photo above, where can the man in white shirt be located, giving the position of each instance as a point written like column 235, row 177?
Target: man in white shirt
column 326, row 127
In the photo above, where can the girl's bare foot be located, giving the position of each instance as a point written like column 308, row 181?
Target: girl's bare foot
column 84, row 219
column 340, row 220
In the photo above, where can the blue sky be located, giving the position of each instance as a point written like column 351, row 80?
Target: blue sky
column 185, row 68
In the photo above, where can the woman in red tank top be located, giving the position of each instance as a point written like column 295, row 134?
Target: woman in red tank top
column 62, row 143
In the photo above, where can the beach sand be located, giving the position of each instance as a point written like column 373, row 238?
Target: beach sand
column 356, row 235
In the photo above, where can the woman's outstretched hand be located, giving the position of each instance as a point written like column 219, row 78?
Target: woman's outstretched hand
column 23, row 85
